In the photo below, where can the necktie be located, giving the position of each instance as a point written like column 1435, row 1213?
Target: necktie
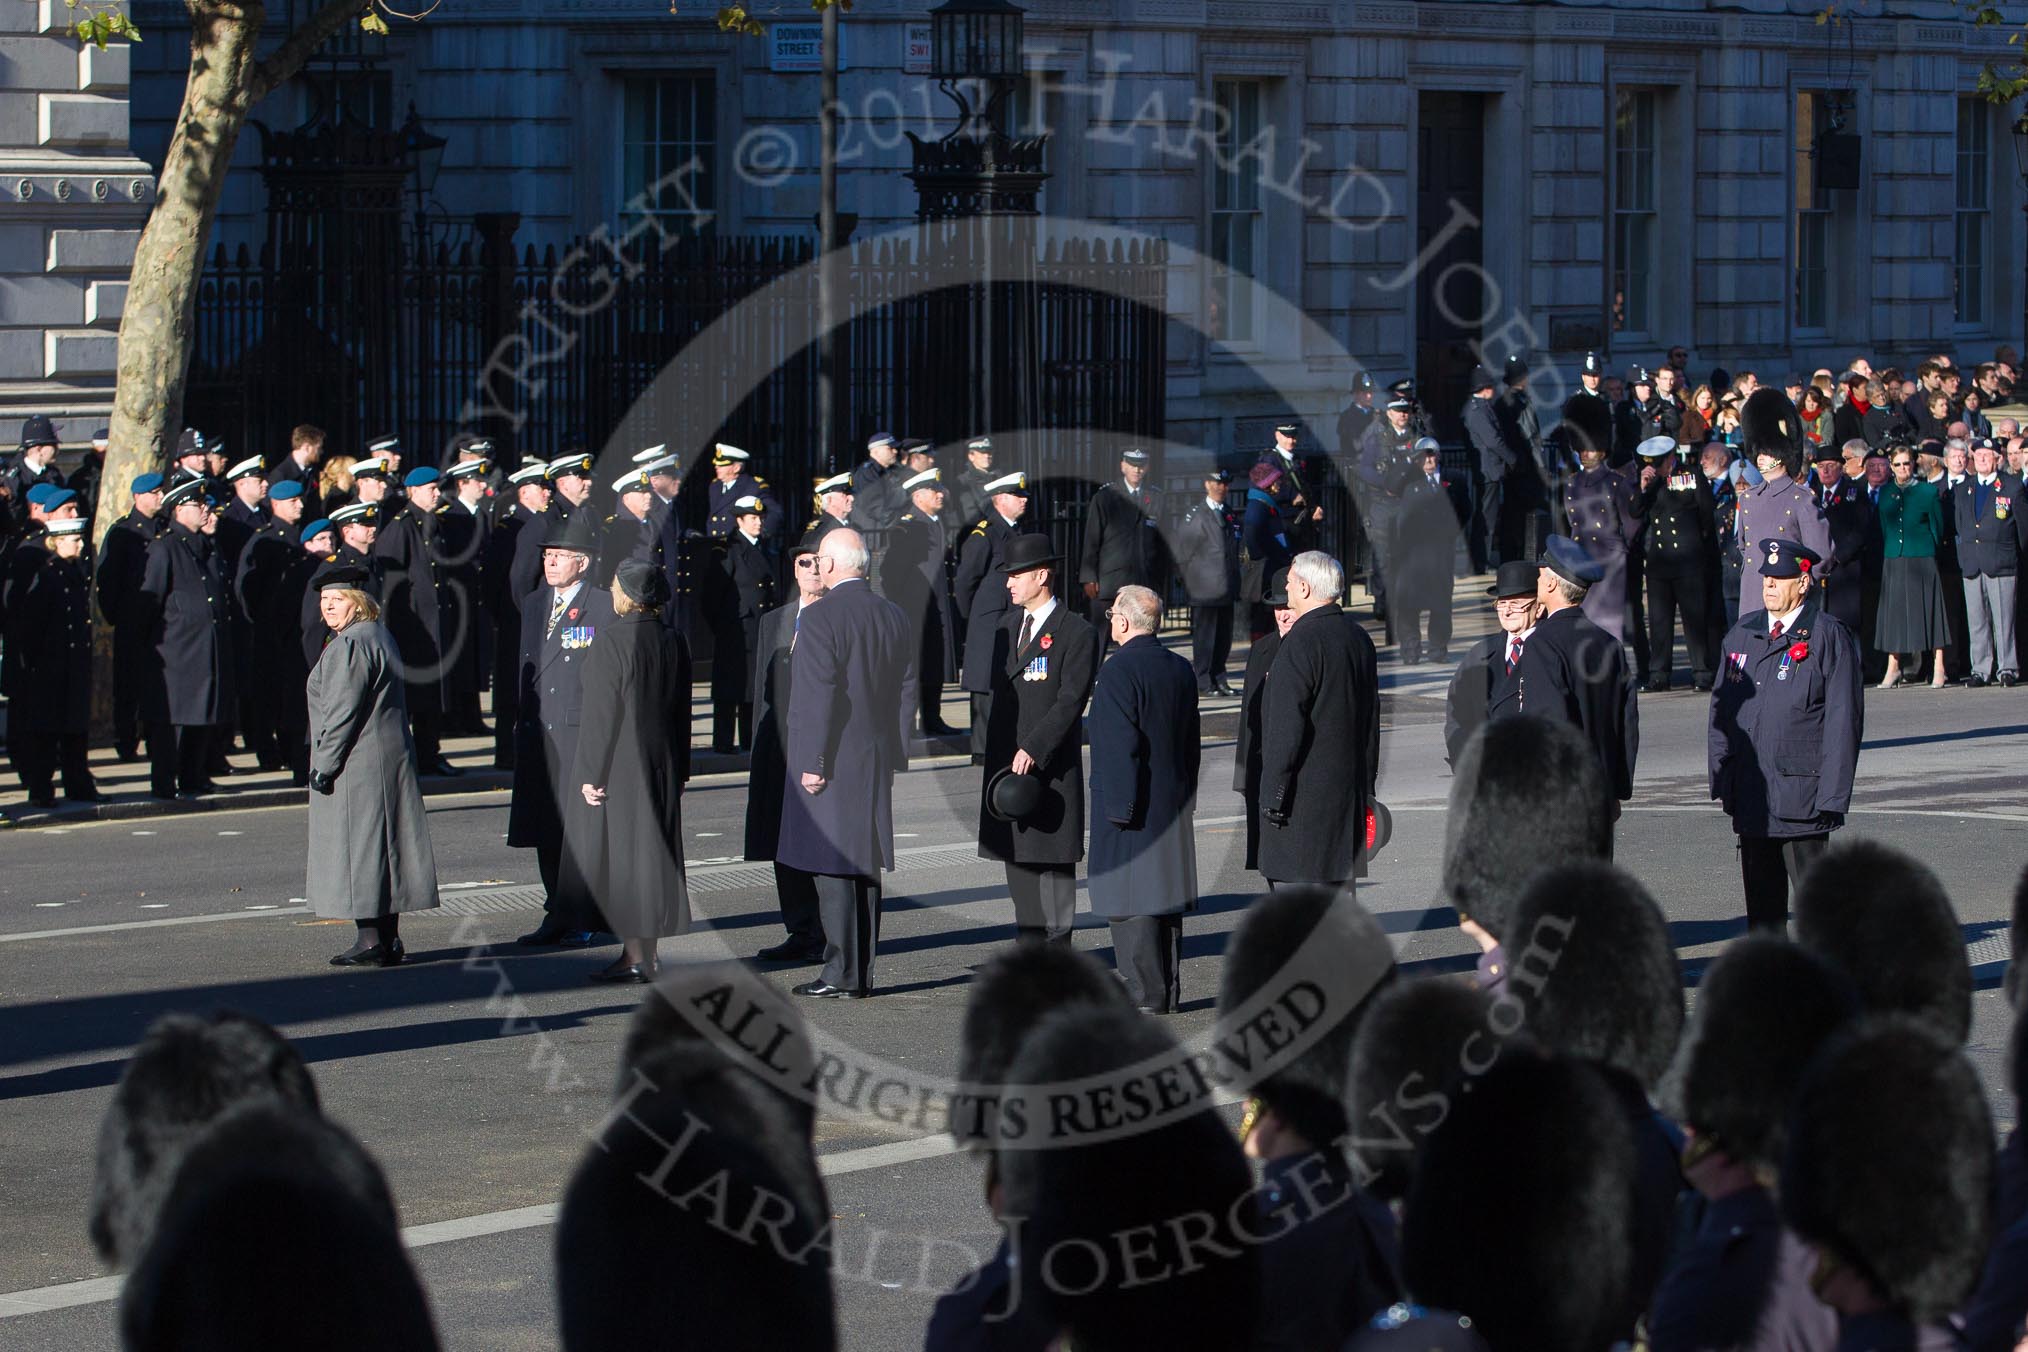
column 1433, row 482
column 1513, row 654
column 1027, row 631
column 1775, row 634
column 555, row 614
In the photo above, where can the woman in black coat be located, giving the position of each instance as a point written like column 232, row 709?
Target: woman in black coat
column 1246, row 745
column 633, row 756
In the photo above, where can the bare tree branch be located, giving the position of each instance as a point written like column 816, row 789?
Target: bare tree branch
column 288, row 58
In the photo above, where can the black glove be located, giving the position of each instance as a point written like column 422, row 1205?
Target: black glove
column 1830, row 821
column 321, row 782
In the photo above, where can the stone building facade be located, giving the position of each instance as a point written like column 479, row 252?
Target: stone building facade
column 1410, row 183
column 73, row 197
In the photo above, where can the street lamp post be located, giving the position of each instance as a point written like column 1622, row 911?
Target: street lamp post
column 2021, row 163
column 425, row 155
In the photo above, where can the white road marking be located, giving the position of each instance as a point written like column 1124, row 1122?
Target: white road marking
column 98, row 1290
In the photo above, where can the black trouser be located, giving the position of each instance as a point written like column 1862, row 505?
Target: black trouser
column 179, row 758
column 426, row 726
column 506, row 700
column 1381, row 514
column 127, row 658
column 1689, row 592
column 1210, row 642
column 1510, row 534
column 39, row 753
column 1412, row 604
column 800, row 916
column 929, row 675
column 1147, row 952
column 1487, row 547
column 1769, row 868
column 1045, row 901
column 731, row 726
column 981, row 702
column 850, row 908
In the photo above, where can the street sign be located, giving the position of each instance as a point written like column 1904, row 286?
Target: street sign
column 800, row 46
column 915, row 48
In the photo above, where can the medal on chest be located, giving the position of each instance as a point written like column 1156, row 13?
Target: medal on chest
column 576, row 637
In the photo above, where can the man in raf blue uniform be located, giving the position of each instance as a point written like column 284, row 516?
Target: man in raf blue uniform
column 1785, row 725
column 979, row 594
column 730, row 482
column 1573, row 671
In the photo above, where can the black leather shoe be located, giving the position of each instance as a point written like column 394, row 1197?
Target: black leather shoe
column 945, row 730
column 42, row 799
column 88, row 796
column 549, row 932
column 1226, row 690
column 374, row 954
column 1976, row 682
column 823, row 990
column 2008, row 680
column 1654, row 687
column 790, row 951
column 442, row 769
column 626, row 974
column 128, row 752
column 581, row 939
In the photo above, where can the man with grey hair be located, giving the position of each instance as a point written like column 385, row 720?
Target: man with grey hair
column 1991, row 537
column 843, row 747
column 1320, row 736
column 1576, row 672
column 1145, row 753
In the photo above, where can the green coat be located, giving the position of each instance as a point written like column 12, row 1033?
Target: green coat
column 1911, row 520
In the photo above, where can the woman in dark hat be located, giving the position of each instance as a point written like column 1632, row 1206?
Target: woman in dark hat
column 370, row 852
column 633, row 756
column 1264, row 543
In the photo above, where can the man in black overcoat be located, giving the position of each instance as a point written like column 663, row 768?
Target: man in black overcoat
column 1786, row 718
column 1484, row 687
column 1320, row 736
column 416, row 610
column 844, row 749
column 121, row 565
column 503, row 597
column 464, row 536
column 768, row 766
column 1206, row 549
column 1246, row 742
column 1848, row 511
column 1123, row 543
column 1576, row 672
column 913, row 573
column 560, row 621
column 185, row 599
column 739, row 588
column 261, row 562
column 1035, row 727
column 979, row 594
column 1433, row 509
column 280, row 654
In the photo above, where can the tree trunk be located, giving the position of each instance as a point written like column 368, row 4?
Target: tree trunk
column 155, row 329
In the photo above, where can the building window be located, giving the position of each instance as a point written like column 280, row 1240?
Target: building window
column 1813, row 216
column 1974, row 208
column 1235, row 211
column 669, row 143
column 1634, row 214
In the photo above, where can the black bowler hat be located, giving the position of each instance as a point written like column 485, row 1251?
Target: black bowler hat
column 1011, row 797
column 1517, row 577
column 1277, row 592
column 575, row 535
column 1024, row 552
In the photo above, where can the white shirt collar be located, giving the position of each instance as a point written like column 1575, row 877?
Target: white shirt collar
column 1521, row 637
column 1214, row 506
column 569, row 593
column 1787, row 622
column 1009, row 520
column 1988, row 480
column 1040, row 615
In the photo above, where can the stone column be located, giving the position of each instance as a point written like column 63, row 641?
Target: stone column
column 73, row 197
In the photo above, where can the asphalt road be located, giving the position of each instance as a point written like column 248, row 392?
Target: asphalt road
column 474, row 1071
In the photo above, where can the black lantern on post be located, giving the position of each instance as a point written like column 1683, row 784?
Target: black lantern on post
column 976, row 42
column 976, row 169
column 2021, row 163
column 424, row 152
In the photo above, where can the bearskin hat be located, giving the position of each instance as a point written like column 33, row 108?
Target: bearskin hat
column 1322, row 932
column 1588, row 954
column 694, row 1202
column 1770, row 425
column 1527, row 793
column 1075, row 1194
column 1010, row 995
column 1887, row 921
column 1414, row 1041
column 678, row 1010
column 1521, row 1213
column 1587, row 425
column 1764, row 1009
column 1889, row 1163
column 186, row 1071
column 275, row 1223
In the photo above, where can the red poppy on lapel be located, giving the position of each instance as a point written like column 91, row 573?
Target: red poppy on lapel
column 573, row 612
column 1047, row 639
column 1798, row 651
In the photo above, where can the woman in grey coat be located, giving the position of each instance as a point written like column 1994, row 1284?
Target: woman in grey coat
column 370, row 852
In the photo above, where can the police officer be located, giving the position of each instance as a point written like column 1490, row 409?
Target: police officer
column 1357, row 417
column 1576, row 673
column 1785, row 723
column 32, row 465
column 968, row 491
column 1433, row 510
column 742, row 590
column 915, row 577
column 876, row 490
column 119, row 586
column 190, row 459
column 1123, row 543
column 1591, row 378
column 979, row 593
column 835, row 500
column 49, row 633
column 1488, row 441
column 185, row 600
column 731, row 481
column 1679, row 557
column 415, row 610
column 1598, row 501
column 1645, row 414
column 1207, row 555
column 1382, row 471
column 1293, row 494
column 506, row 584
